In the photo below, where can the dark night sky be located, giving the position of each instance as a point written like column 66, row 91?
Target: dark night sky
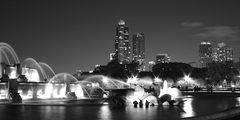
column 80, row 34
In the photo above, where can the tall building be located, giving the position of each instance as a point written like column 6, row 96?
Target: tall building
column 138, row 49
column 222, row 53
column 229, row 54
column 122, row 43
column 150, row 65
column 205, row 53
column 162, row 58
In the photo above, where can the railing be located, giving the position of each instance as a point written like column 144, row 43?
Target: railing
column 205, row 89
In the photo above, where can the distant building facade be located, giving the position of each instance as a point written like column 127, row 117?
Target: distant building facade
column 220, row 53
column 205, row 53
column 162, row 58
column 150, row 65
column 122, row 43
column 138, row 50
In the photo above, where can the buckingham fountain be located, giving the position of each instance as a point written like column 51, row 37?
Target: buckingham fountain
column 31, row 80
column 33, row 84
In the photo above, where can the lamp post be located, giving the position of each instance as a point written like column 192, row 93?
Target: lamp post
column 132, row 81
column 187, row 79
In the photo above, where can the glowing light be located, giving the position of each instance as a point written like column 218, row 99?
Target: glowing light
column 174, row 92
column 156, row 79
column 121, row 22
column 12, row 72
column 187, row 107
column 187, row 78
column 105, row 96
column 105, row 113
column 205, row 43
column 132, row 80
column 94, row 85
column 105, row 80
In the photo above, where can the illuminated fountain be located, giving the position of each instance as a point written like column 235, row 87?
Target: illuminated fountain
column 49, row 72
column 37, row 80
column 143, row 90
column 190, row 82
column 175, row 94
column 37, row 72
column 63, row 86
column 106, row 82
column 152, row 90
column 8, row 55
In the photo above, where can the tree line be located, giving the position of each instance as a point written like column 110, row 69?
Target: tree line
column 214, row 73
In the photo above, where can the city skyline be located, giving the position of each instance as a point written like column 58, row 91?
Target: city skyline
column 71, row 36
column 122, row 43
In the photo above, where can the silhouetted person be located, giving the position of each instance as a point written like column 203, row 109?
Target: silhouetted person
column 195, row 89
column 141, row 104
column 135, row 103
column 147, row 104
column 186, row 88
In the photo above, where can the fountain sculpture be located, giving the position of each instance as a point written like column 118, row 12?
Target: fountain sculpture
column 32, row 80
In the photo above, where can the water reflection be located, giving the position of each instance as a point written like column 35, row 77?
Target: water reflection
column 51, row 112
column 188, row 110
column 105, row 113
column 238, row 101
column 193, row 106
column 203, row 105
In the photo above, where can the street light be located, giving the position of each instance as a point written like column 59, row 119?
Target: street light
column 157, row 80
column 187, row 78
column 132, row 80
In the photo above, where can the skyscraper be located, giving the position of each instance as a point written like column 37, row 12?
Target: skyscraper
column 150, row 65
column 229, row 54
column 162, row 58
column 222, row 53
column 122, row 43
column 138, row 48
column 205, row 53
